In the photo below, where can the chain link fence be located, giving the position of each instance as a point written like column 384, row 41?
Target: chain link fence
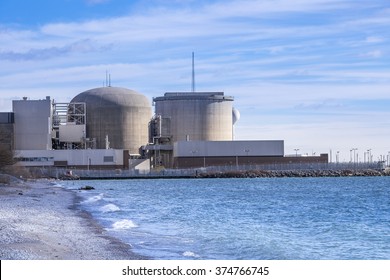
column 73, row 173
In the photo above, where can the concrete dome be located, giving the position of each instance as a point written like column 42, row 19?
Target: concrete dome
column 119, row 113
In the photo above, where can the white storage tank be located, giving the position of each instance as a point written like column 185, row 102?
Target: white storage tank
column 201, row 116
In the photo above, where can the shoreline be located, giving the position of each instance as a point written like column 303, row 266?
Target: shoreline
column 249, row 174
column 39, row 221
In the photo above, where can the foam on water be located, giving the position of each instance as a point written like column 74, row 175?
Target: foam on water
column 275, row 218
column 123, row 224
column 109, row 208
column 93, row 199
column 190, row 254
column 57, row 185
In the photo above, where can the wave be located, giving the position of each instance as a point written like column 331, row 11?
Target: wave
column 109, row 208
column 93, row 199
column 123, row 224
column 57, row 185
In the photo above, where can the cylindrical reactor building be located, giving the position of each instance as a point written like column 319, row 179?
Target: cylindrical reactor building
column 116, row 117
column 203, row 116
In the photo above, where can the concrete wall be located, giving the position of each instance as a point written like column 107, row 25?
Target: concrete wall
column 196, row 162
column 196, row 116
column 228, row 148
column 72, row 132
column 33, row 124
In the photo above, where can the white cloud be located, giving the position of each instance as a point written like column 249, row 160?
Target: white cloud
column 81, row 46
column 374, row 40
column 210, row 20
column 283, row 73
column 322, row 105
column 265, row 7
column 373, row 54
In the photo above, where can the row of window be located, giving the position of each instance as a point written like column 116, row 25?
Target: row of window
column 46, row 159
column 35, row 159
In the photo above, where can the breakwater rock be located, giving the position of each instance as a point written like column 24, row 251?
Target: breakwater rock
column 292, row 173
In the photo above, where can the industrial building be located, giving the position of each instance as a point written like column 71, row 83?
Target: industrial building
column 99, row 128
column 189, row 154
column 33, row 124
column 112, row 127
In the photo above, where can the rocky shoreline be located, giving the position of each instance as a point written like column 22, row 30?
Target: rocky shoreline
column 294, row 173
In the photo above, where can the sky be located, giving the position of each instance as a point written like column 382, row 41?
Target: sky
column 314, row 73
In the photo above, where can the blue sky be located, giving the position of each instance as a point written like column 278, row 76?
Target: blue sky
column 315, row 73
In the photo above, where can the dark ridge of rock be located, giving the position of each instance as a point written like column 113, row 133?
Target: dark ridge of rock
column 293, row 173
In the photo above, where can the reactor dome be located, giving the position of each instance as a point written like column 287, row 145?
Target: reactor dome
column 116, row 117
column 236, row 115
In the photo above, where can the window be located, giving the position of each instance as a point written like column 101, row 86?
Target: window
column 108, row 159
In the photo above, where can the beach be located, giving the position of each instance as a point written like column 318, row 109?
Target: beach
column 41, row 221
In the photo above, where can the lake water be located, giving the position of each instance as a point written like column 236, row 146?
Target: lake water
column 264, row 218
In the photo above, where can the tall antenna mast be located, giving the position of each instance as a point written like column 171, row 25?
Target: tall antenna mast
column 193, row 73
column 108, row 80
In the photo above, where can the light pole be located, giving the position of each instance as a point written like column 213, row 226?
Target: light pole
column 296, row 152
column 388, row 159
column 354, row 154
column 369, row 155
column 337, row 156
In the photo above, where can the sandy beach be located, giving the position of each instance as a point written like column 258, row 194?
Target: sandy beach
column 39, row 221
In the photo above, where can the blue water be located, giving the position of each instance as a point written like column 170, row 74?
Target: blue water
column 275, row 218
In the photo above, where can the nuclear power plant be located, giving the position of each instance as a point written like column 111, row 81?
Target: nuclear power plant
column 115, row 128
